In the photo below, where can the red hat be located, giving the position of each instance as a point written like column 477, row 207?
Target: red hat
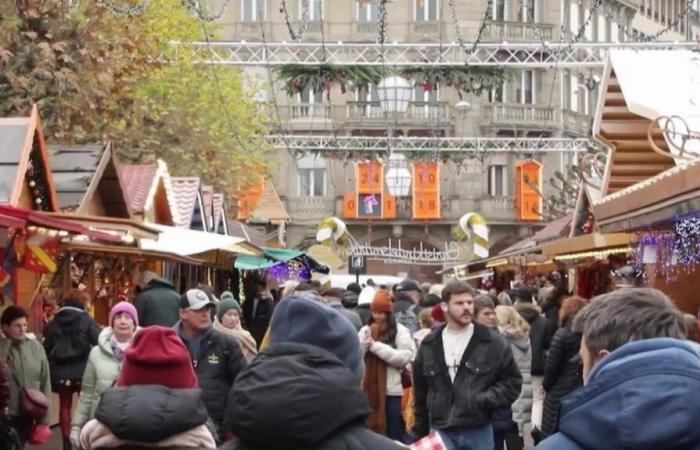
column 437, row 313
column 382, row 302
column 158, row 356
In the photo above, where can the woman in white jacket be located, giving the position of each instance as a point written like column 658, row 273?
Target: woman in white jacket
column 389, row 349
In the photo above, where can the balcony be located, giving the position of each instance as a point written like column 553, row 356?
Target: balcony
column 576, row 123
column 521, row 115
column 429, row 30
column 311, row 111
column 424, row 114
column 366, row 29
column 310, row 208
column 249, row 30
column 518, row 31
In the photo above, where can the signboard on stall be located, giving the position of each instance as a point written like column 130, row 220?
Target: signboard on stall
column 528, row 185
column 426, row 190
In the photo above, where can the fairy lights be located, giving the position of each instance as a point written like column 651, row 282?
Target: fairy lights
column 598, row 254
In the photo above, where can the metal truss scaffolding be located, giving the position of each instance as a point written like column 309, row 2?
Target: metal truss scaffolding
column 522, row 55
column 439, row 145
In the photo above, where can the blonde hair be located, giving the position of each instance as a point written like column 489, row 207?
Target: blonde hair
column 426, row 320
column 510, row 322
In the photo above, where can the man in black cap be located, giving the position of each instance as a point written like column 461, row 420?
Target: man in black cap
column 333, row 297
column 216, row 357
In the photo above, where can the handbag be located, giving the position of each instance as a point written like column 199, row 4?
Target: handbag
column 32, row 402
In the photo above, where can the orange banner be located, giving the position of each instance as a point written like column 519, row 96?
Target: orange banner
column 350, row 205
column 389, row 211
column 370, row 177
column 426, row 190
column 528, row 184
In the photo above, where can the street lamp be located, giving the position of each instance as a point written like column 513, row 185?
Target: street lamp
column 398, row 177
column 394, row 94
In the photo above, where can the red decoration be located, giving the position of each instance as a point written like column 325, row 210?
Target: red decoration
column 42, row 253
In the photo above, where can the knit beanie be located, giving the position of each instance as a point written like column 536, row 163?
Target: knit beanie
column 226, row 304
column 382, row 302
column 437, row 313
column 158, row 356
column 306, row 321
column 124, row 307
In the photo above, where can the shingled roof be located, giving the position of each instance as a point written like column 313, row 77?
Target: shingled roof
column 269, row 207
column 189, row 202
column 138, row 180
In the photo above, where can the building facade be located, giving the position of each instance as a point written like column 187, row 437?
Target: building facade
column 532, row 103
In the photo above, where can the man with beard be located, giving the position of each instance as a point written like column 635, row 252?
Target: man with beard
column 462, row 374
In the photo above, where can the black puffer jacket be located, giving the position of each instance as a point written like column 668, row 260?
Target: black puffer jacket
column 217, row 366
column 257, row 324
column 562, row 375
column 69, row 338
column 150, row 414
column 487, row 379
column 539, row 336
column 300, row 397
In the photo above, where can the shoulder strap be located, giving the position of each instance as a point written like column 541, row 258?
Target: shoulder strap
column 11, row 366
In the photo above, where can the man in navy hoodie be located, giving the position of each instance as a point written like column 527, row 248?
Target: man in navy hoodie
column 642, row 379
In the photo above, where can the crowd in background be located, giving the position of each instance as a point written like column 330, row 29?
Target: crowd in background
column 303, row 366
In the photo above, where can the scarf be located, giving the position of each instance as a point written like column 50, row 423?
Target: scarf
column 245, row 339
column 374, row 385
column 119, row 348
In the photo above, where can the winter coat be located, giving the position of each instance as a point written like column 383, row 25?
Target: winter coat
column 257, row 326
column 148, row 416
column 298, row 396
column 352, row 316
column 364, row 313
column 4, row 387
column 562, row 375
column 158, row 304
column 245, row 340
column 396, row 356
column 31, row 367
column 219, row 362
column 540, row 337
column 69, row 338
column 522, row 408
column 551, row 306
column 101, row 371
column 643, row 396
column 487, row 379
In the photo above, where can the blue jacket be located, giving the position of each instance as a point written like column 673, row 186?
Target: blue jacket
column 643, row 396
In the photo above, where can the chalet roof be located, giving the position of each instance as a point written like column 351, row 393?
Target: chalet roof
column 74, row 168
column 18, row 137
column 138, row 180
column 269, row 207
column 187, row 195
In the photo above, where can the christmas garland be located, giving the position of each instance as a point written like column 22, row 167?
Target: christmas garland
column 321, row 78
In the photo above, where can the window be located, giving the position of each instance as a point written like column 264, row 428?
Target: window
column 498, row 95
column 527, row 13
column 526, row 91
column 367, row 11
column 312, row 182
column 499, row 11
column 602, row 28
column 498, row 186
column 368, row 101
column 426, row 10
column 252, row 10
column 308, row 95
column 312, row 9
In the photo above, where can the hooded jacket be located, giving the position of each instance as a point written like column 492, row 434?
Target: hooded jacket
column 300, row 397
column 69, row 338
column 397, row 356
column 522, row 408
column 643, row 396
column 540, row 337
column 147, row 416
column 31, row 367
column 158, row 304
column 100, row 373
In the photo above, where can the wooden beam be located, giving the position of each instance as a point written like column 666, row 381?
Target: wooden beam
column 637, row 145
column 618, row 113
column 641, row 157
column 626, row 129
column 626, row 180
column 643, row 170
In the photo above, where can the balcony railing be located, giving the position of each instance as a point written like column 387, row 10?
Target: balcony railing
column 311, row 208
column 516, row 31
column 311, row 110
column 519, row 114
column 366, row 28
column 417, row 112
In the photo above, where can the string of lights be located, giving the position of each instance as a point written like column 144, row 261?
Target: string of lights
column 196, row 7
column 297, row 34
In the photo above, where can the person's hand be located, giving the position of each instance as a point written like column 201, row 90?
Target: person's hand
column 368, row 342
column 75, row 437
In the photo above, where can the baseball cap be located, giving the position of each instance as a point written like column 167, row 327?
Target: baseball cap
column 195, row 299
column 408, row 285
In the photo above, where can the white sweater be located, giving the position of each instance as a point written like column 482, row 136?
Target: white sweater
column 395, row 358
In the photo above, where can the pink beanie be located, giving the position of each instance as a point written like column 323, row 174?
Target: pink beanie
column 124, row 307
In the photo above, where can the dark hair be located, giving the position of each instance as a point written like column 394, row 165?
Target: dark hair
column 305, row 286
column 456, row 288
column 76, row 297
column 392, row 330
column 612, row 320
column 354, row 287
column 482, row 302
column 12, row 313
column 525, row 294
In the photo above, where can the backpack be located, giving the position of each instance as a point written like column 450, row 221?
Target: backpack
column 69, row 345
column 408, row 318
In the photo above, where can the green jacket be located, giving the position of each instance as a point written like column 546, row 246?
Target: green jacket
column 158, row 304
column 32, row 367
column 101, row 371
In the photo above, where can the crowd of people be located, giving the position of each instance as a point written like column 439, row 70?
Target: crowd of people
column 301, row 366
